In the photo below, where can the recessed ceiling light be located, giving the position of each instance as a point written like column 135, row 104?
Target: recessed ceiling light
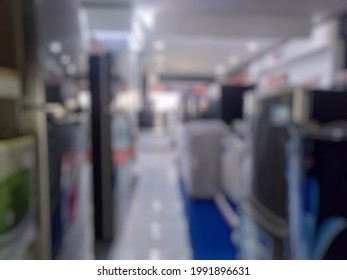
column 159, row 46
column 65, row 59
column 233, row 60
column 55, row 47
column 253, row 46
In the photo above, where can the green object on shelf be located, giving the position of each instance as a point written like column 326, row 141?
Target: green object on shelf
column 14, row 199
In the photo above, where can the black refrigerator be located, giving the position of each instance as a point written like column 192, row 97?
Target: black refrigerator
column 295, row 208
column 104, row 175
column 231, row 102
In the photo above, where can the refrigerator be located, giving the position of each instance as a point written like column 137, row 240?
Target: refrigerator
column 103, row 172
column 317, row 212
column 287, row 148
column 231, row 102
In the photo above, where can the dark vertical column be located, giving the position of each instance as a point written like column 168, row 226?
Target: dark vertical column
column 145, row 115
column 100, row 87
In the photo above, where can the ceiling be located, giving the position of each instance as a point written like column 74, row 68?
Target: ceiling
column 200, row 35
column 201, row 56
column 232, row 6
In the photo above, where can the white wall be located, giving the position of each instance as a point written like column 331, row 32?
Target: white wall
column 301, row 60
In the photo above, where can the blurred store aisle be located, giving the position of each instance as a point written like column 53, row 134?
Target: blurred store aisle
column 156, row 227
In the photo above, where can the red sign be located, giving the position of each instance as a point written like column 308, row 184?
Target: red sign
column 158, row 88
column 122, row 156
column 198, row 89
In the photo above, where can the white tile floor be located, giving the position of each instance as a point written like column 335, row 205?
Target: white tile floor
column 156, row 226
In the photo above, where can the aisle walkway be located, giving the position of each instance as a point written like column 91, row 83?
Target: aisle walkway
column 156, row 227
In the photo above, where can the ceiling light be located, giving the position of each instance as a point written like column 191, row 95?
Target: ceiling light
column 148, row 18
column 55, row 47
column 71, row 69
column 233, row 60
column 159, row 46
column 220, row 70
column 252, row 46
column 110, row 35
column 65, row 59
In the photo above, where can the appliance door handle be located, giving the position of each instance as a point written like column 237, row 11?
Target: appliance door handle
column 268, row 220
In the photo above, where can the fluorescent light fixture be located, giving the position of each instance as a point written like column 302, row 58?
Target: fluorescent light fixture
column 65, row 59
column 55, row 47
column 148, row 18
column 253, row 47
column 159, row 45
column 233, row 60
column 220, row 70
column 71, row 69
column 111, row 35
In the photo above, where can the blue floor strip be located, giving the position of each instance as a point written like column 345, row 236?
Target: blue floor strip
column 209, row 233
